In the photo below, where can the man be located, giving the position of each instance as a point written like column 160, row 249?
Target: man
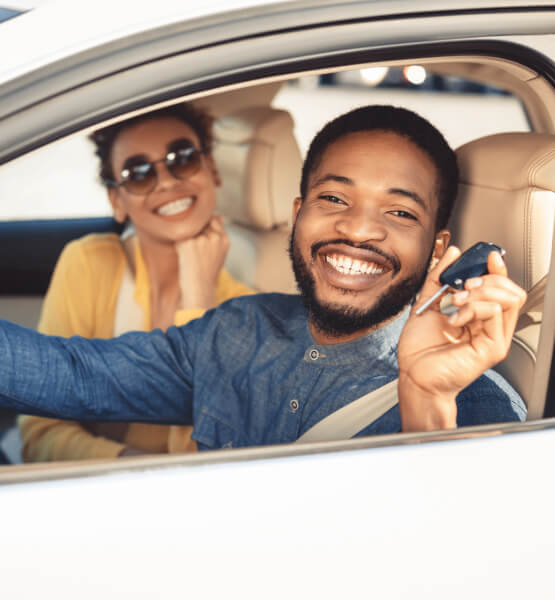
column 377, row 188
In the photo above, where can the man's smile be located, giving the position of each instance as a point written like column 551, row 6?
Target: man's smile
column 352, row 267
column 347, row 266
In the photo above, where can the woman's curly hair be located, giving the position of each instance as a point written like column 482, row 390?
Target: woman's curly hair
column 197, row 119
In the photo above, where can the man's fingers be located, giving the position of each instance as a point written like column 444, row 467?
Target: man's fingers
column 432, row 283
column 485, row 322
column 496, row 264
column 508, row 298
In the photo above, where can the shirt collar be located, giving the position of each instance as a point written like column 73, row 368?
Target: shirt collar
column 381, row 344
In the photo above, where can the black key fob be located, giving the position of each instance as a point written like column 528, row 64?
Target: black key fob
column 471, row 263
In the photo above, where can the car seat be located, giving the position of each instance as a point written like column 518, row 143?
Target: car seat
column 507, row 196
column 260, row 163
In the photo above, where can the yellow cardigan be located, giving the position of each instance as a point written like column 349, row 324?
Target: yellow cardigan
column 81, row 300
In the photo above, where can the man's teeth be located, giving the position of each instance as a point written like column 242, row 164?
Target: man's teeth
column 175, row 207
column 347, row 266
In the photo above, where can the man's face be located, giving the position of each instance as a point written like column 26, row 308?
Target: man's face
column 364, row 235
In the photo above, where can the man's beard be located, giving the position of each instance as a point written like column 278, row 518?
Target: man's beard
column 337, row 319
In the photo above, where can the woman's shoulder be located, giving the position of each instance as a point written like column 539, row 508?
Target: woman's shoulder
column 95, row 247
column 96, row 254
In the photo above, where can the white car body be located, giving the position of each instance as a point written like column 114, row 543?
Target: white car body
column 464, row 514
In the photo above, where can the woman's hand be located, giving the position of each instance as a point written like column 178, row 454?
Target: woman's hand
column 200, row 261
column 440, row 355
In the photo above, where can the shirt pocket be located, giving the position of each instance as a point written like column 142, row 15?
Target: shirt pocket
column 213, row 432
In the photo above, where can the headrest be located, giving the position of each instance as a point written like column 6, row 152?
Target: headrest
column 260, row 163
column 509, row 161
column 507, row 196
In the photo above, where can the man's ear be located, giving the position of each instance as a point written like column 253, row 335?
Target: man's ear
column 441, row 244
column 120, row 214
column 297, row 203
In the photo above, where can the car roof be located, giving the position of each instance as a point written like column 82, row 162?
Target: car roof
column 65, row 27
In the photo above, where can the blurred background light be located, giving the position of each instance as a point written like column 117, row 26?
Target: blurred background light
column 415, row 74
column 373, row 75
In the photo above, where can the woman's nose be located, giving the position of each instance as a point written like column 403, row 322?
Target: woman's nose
column 361, row 224
column 165, row 179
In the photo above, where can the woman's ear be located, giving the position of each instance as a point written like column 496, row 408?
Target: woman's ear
column 441, row 244
column 214, row 171
column 120, row 213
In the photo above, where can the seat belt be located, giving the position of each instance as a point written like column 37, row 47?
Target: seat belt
column 354, row 417
column 535, row 296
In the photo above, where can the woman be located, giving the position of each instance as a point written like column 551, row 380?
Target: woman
column 165, row 269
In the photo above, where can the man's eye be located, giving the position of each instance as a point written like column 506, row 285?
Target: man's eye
column 331, row 198
column 403, row 214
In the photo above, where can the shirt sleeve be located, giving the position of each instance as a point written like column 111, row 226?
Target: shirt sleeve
column 68, row 309
column 142, row 377
column 489, row 399
column 53, row 439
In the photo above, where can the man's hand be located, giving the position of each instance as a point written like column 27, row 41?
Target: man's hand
column 440, row 355
column 200, row 261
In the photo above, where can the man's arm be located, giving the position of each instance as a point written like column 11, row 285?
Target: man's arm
column 439, row 355
column 145, row 377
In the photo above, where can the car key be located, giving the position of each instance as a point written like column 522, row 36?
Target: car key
column 471, row 263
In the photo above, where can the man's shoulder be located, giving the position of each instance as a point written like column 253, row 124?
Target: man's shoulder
column 252, row 319
column 272, row 311
column 272, row 305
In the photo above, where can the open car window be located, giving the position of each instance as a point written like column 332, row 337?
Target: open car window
column 466, row 94
column 463, row 513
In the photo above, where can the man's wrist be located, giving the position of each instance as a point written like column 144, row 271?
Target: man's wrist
column 424, row 409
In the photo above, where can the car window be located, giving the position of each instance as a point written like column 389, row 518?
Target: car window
column 61, row 180
column 460, row 108
column 55, row 182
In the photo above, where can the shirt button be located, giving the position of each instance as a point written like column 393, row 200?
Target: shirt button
column 314, row 354
column 294, row 405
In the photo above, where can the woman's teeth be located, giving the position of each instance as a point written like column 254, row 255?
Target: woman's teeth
column 175, row 207
column 347, row 266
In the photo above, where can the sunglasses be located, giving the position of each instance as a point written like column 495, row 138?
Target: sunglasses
column 139, row 175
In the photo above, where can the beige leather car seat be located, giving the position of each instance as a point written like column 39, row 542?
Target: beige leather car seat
column 260, row 165
column 507, row 196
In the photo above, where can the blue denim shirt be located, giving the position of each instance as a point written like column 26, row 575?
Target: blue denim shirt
column 247, row 373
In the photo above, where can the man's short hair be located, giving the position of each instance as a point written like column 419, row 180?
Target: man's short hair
column 403, row 122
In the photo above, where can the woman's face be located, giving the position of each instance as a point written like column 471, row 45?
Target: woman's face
column 174, row 209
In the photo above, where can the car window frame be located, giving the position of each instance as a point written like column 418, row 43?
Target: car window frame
column 213, row 83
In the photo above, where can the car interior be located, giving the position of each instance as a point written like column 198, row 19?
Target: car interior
column 506, row 189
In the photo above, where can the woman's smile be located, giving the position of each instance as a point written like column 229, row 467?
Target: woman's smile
column 176, row 207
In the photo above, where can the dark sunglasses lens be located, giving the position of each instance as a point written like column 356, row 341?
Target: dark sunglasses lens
column 183, row 161
column 140, row 178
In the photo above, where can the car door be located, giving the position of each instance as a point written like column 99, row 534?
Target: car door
column 422, row 515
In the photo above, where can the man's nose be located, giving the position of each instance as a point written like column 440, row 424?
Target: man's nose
column 361, row 224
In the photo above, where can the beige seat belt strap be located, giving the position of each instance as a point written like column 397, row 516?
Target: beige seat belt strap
column 535, row 296
column 354, row 417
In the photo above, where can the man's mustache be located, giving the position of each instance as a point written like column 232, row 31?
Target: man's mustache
column 390, row 258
